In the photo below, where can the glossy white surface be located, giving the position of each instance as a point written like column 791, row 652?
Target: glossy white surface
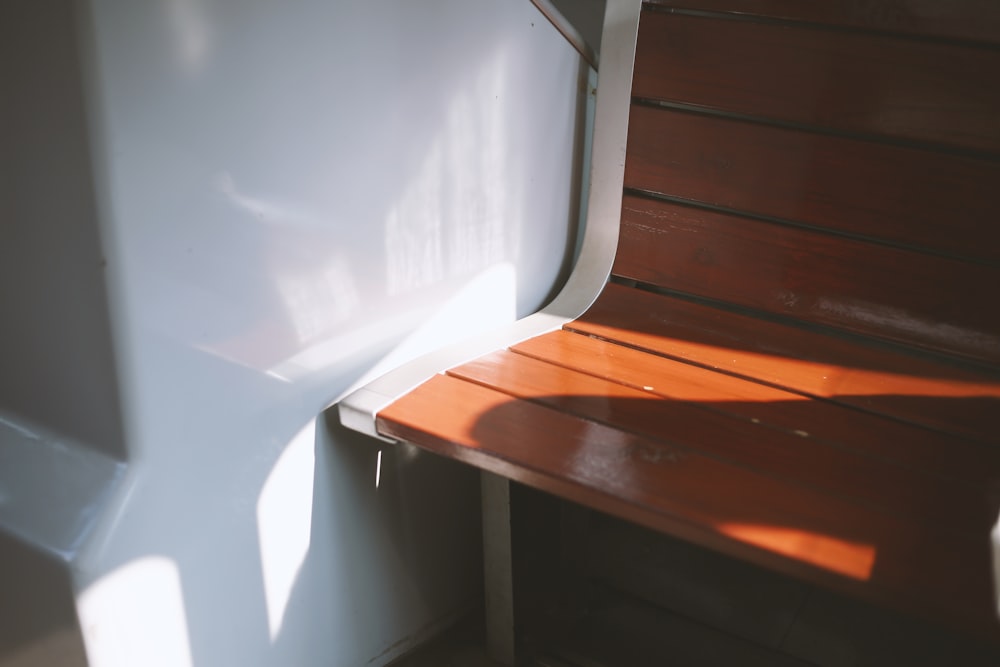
column 270, row 200
column 359, row 409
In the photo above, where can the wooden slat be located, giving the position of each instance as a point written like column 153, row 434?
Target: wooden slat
column 920, row 391
column 899, row 295
column 945, row 203
column 973, row 20
column 768, row 609
column 852, row 82
column 926, row 451
column 792, row 528
column 699, row 584
column 830, row 625
column 708, row 427
column 625, row 632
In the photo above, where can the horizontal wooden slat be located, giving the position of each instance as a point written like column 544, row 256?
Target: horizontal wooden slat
column 624, row 632
column 851, row 82
column 721, row 592
column 920, row 391
column 829, row 624
column 709, row 427
column 913, row 447
column 975, row 20
column 908, row 297
column 768, row 609
column 791, row 528
column 941, row 202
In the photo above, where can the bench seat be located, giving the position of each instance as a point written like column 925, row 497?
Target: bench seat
column 796, row 360
column 818, row 456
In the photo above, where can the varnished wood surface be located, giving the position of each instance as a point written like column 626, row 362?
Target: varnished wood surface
column 807, row 373
column 621, row 632
column 967, row 20
column 790, row 527
column 899, row 295
column 799, row 456
column 940, row 202
column 739, row 598
column 816, row 626
column 930, row 453
column 852, row 82
column 937, row 395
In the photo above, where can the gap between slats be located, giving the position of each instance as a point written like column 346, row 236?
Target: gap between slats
column 708, row 501
column 957, row 21
column 900, row 296
column 851, row 83
column 965, row 404
column 711, row 429
column 887, row 193
column 881, row 438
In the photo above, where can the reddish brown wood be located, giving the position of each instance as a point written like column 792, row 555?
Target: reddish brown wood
column 788, row 527
column 936, row 395
column 974, row 20
column 707, row 426
column 708, row 588
column 861, row 464
column 941, row 202
column 926, row 451
column 899, row 295
column 852, row 82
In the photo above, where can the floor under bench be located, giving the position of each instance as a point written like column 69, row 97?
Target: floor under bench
column 594, row 591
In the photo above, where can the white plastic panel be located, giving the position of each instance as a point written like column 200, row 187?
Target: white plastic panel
column 286, row 196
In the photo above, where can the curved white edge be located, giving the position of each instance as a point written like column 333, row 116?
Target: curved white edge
column 359, row 409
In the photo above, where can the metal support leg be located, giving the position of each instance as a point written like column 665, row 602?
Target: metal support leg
column 497, row 568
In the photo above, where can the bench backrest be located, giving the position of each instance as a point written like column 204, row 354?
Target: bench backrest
column 833, row 164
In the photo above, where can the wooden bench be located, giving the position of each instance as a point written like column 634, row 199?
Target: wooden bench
column 796, row 360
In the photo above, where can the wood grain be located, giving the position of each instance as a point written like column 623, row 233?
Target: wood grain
column 971, row 20
column 797, row 457
column 921, row 449
column 788, row 527
column 903, row 296
column 860, row 83
column 937, row 395
column 720, row 592
column 805, row 373
column 942, row 203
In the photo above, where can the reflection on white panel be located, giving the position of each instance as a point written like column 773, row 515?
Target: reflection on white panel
column 413, row 244
column 266, row 210
column 190, row 31
column 284, row 520
column 134, row 615
column 454, row 217
column 319, row 300
column 487, row 302
column 291, row 193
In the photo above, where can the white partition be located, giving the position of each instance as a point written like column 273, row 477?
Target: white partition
column 217, row 216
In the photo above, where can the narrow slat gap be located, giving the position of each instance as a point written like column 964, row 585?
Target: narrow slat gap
column 775, row 385
column 816, row 25
column 866, row 340
column 915, row 144
column 722, row 411
column 794, row 224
